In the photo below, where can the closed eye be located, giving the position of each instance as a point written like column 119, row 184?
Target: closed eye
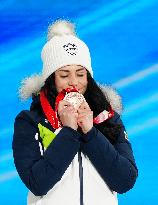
column 80, row 75
column 64, row 76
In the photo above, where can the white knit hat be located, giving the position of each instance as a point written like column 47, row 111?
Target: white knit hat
column 62, row 48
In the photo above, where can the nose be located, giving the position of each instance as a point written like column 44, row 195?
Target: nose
column 73, row 81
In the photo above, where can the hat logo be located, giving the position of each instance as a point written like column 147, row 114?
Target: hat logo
column 70, row 48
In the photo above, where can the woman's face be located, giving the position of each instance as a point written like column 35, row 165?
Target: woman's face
column 71, row 76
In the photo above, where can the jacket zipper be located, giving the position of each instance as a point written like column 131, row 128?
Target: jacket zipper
column 80, row 176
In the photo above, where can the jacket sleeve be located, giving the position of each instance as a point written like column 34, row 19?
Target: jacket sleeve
column 41, row 173
column 114, row 163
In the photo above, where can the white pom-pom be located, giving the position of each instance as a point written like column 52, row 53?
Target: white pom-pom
column 61, row 27
column 30, row 85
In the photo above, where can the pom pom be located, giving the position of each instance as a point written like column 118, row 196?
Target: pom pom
column 61, row 27
column 30, row 85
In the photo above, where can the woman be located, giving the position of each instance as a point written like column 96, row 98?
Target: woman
column 67, row 154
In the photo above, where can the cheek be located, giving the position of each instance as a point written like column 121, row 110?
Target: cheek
column 60, row 84
column 85, row 81
column 84, row 84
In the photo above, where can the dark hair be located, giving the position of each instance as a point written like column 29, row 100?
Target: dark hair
column 96, row 100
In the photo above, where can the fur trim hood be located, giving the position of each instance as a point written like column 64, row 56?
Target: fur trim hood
column 112, row 97
column 33, row 84
column 30, row 85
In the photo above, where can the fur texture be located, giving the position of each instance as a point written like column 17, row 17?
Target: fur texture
column 30, row 85
column 34, row 83
column 112, row 97
column 59, row 28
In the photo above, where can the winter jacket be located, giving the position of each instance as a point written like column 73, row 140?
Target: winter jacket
column 66, row 167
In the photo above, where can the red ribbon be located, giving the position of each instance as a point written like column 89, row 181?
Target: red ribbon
column 103, row 116
column 49, row 112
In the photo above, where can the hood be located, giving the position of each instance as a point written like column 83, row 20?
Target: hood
column 112, row 97
column 110, row 93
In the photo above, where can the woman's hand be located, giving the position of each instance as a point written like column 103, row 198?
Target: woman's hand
column 85, row 117
column 68, row 115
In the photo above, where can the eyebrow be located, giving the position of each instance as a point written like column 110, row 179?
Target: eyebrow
column 67, row 71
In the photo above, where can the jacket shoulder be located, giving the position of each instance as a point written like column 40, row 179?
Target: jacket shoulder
column 28, row 115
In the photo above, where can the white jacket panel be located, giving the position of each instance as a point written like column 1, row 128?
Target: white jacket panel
column 67, row 190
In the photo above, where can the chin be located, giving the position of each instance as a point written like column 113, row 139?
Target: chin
column 82, row 91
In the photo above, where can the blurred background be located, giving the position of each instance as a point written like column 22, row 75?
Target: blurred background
column 123, row 40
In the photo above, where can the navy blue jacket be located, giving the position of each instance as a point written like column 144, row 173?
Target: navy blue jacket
column 115, row 163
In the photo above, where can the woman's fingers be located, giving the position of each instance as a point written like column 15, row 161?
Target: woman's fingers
column 84, row 107
column 68, row 115
column 62, row 105
column 85, row 114
column 85, row 121
column 67, row 110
